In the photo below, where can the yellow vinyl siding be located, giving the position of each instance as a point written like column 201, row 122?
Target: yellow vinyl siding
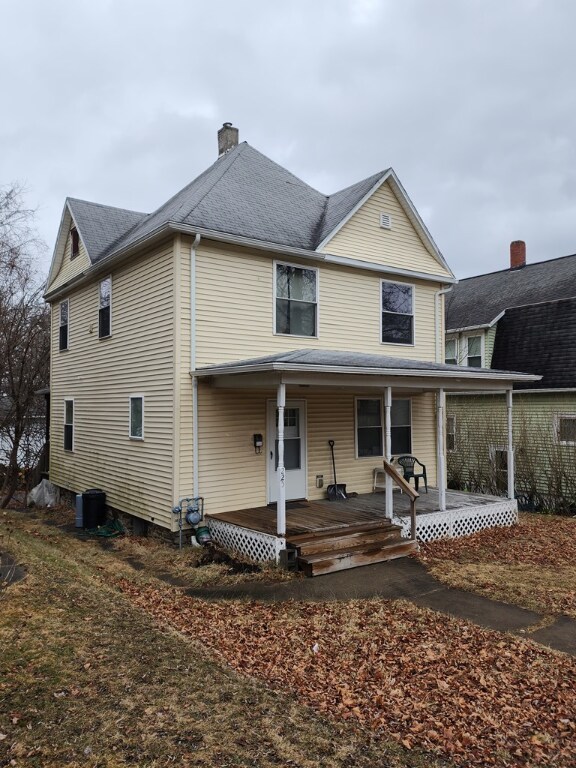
column 489, row 339
column 233, row 476
column 362, row 237
column 184, row 484
column 101, row 374
column 236, row 305
column 70, row 268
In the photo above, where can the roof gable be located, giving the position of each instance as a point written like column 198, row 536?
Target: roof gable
column 481, row 300
column 539, row 339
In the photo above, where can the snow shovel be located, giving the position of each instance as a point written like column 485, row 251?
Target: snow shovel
column 337, row 491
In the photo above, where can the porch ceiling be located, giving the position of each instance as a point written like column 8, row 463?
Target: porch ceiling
column 352, row 370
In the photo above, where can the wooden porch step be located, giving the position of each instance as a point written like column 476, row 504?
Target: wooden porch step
column 345, row 539
column 340, row 530
column 340, row 560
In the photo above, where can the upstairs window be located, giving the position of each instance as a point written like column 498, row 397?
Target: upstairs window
column 474, row 352
column 296, row 300
column 104, row 318
column 451, row 352
column 397, row 313
column 69, row 425
column 64, row 313
column 75, row 243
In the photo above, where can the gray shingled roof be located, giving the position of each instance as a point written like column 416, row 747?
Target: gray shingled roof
column 243, row 193
column 100, row 226
column 539, row 338
column 335, row 358
column 479, row 300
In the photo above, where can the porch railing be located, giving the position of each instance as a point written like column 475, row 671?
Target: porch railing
column 404, row 486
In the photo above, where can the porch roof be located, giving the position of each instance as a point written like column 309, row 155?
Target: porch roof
column 315, row 366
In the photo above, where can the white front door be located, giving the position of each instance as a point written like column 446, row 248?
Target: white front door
column 294, row 450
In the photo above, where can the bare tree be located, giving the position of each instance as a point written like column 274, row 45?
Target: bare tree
column 24, row 339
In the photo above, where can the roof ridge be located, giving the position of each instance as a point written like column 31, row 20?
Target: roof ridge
column 103, row 205
column 240, row 148
column 519, row 269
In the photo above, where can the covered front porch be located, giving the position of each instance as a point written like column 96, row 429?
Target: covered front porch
column 253, row 531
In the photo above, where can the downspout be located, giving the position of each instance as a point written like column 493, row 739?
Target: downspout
column 438, row 322
column 195, row 470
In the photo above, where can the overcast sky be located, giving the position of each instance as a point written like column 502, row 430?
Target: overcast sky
column 472, row 102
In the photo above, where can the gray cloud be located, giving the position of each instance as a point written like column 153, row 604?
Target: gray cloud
column 472, row 103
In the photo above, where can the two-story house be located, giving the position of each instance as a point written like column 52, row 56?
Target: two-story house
column 522, row 318
column 214, row 347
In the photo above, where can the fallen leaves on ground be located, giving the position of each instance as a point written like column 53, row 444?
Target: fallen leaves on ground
column 428, row 681
column 532, row 564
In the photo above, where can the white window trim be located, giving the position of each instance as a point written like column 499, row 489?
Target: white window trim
column 399, row 343
column 557, row 417
column 67, row 347
column 382, row 426
column 456, row 348
column 69, row 400
column 109, row 277
column 465, row 348
column 276, row 263
column 138, row 438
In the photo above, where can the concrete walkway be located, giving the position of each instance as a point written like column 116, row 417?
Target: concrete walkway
column 405, row 578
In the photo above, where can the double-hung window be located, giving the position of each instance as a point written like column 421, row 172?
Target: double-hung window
column 566, row 428
column 370, row 427
column 451, row 352
column 474, row 351
column 104, row 308
column 69, row 425
column 397, row 313
column 296, row 300
column 136, row 417
column 64, row 318
column 450, row 433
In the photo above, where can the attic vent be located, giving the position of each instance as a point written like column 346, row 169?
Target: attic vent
column 385, row 221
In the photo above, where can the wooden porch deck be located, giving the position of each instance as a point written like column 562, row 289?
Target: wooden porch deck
column 323, row 515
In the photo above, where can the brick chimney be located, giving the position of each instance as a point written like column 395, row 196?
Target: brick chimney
column 227, row 138
column 517, row 254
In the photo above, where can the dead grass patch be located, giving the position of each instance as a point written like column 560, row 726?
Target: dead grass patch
column 532, row 564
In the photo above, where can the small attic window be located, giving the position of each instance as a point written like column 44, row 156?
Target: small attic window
column 75, row 243
column 385, row 221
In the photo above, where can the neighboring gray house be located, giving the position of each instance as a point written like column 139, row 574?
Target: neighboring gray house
column 520, row 319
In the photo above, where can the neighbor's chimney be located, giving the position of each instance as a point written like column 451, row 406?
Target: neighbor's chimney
column 227, row 138
column 517, row 254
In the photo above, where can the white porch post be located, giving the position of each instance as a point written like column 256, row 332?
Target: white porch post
column 440, row 463
column 281, row 471
column 388, row 449
column 510, row 445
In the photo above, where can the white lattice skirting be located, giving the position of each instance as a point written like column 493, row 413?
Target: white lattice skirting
column 461, row 522
column 253, row 545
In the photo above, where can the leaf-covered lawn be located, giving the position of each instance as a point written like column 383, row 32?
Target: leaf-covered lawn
column 532, row 564
column 476, row 697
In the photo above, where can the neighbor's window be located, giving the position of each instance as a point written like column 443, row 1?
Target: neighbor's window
column 64, row 317
column 369, row 427
column 401, row 429
column 104, row 320
column 450, row 433
column 75, row 243
column 136, row 417
column 499, row 458
column 68, row 425
column 296, row 300
column 474, row 352
column 566, row 429
column 397, row 313
column 451, row 352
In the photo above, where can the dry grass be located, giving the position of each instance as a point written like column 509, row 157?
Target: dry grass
column 532, row 564
column 89, row 679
